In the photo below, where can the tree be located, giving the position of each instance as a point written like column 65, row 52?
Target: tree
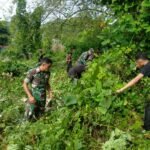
column 20, row 29
column 133, row 18
column 35, row 25
column 4, row 33
column 25, row 29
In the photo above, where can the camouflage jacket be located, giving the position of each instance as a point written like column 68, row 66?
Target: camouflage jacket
column 37, row 78
column 83, row 58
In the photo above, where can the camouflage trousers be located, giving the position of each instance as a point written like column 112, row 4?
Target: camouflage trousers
column 33, row 111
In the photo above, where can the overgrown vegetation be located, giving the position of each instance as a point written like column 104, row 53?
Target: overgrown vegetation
column 88, row 115
column 4, row 33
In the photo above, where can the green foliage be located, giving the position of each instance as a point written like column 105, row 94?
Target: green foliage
column 89, row 114
column 118, row 140
column 4, row 33
column 70, row 100
column 127, row 27
column 82, row 115
column 35, row 25
column 19, row 28
column 25, row 30
column 12, row 68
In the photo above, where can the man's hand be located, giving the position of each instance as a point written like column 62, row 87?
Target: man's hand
column 119, row 91
column 28, row 92
column 32, row 100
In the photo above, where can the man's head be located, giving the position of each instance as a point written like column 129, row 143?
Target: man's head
column 141, row 59
column 91, row 51
column 45, row 64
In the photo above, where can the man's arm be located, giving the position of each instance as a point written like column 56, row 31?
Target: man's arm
column 28, row 92
column 131, row 83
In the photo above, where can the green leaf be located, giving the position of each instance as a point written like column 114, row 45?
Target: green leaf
column 70, row 100
column 105, row 42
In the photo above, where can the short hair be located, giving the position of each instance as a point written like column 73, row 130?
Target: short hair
column 142, row 55
column 46, row 60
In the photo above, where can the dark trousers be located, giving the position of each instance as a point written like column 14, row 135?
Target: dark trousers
column 76, row 71
column 147, row 117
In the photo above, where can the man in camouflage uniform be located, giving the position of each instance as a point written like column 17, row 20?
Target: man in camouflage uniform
column 39, row 80
column 76, row 71
column 86, row 56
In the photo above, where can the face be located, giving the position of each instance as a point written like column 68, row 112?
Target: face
column 45, row 67
column 140, row 63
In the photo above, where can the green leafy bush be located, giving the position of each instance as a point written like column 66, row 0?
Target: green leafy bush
column 118, row 140
column 13, row 68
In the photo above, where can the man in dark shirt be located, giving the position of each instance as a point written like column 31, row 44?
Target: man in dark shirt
column 146, row 70
column 143, row 64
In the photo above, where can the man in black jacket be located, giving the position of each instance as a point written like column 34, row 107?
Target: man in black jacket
column 143, row 64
